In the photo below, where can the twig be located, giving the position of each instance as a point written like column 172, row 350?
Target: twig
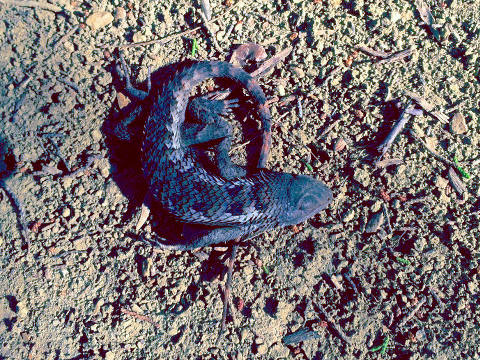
column 435, row 155
column 350, row 281
column 300, row 108
column 17, row 107
column 226, row 293
column 413, row 312
column 17, row 205
column 270, row 63
column 141, row 317
column 372, row 52
column 59, row 154
column 210, row 32
column 387, row 218
column 151, row 42
column 332, row 323
column 437, row 298
column 395, row 57
column 34, row 4
column 303, row 334
column 328, row 129
column 207, row 9
column 397, row 128
column 70, row 84
column 328, row 77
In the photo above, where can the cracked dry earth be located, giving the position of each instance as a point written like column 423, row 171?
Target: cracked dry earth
column 390, row 270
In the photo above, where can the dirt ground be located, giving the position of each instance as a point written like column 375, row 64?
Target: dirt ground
column 390, row 270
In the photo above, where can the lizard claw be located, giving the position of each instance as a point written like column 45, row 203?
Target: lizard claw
column 143, row 217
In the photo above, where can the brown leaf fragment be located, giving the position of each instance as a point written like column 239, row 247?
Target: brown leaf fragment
column 248, row 52
column 455, row 181
column 376, row 220
column 458, row 125
column 340, row 144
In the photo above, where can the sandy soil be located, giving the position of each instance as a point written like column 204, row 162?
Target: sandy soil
column 393, row 264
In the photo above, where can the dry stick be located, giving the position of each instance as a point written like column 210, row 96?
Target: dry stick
column 210, row 32
column 413, row 312
column 328, row 129
column 141, row 317
column 437, row 298
column 435, row 155
column 395, row 57
column 332, row 323
column 170, row 37
column 207, row 9
column 226, row 293
column 33, row 4
column 397, row 128
column 372, row 52
column 387, row 218
column 270, row 63
column 17, row 205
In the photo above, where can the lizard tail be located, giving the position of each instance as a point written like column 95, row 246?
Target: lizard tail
column 193, row 74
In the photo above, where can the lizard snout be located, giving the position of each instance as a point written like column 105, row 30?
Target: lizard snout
column 307, row 197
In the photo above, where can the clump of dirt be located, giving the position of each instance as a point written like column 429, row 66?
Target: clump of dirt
column 390, row 268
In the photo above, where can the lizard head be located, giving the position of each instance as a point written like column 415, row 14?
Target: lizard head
column 306, row 197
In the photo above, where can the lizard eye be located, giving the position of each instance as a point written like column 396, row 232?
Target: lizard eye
column 308, row 203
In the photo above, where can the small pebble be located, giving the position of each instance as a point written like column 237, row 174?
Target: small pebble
column 99, row 20
column 96, row 135
column 298, row 71
column 105, row 170
column 349, row 215
column 120, row 13
column 67, row 182
column 376, row 220
column 122, row 100
column 66, row 212
column 262, row 349
column 362, row 176
column 22, row 309
column 80, row 244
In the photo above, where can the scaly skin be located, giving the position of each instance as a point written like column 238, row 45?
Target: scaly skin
column 231, row 208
